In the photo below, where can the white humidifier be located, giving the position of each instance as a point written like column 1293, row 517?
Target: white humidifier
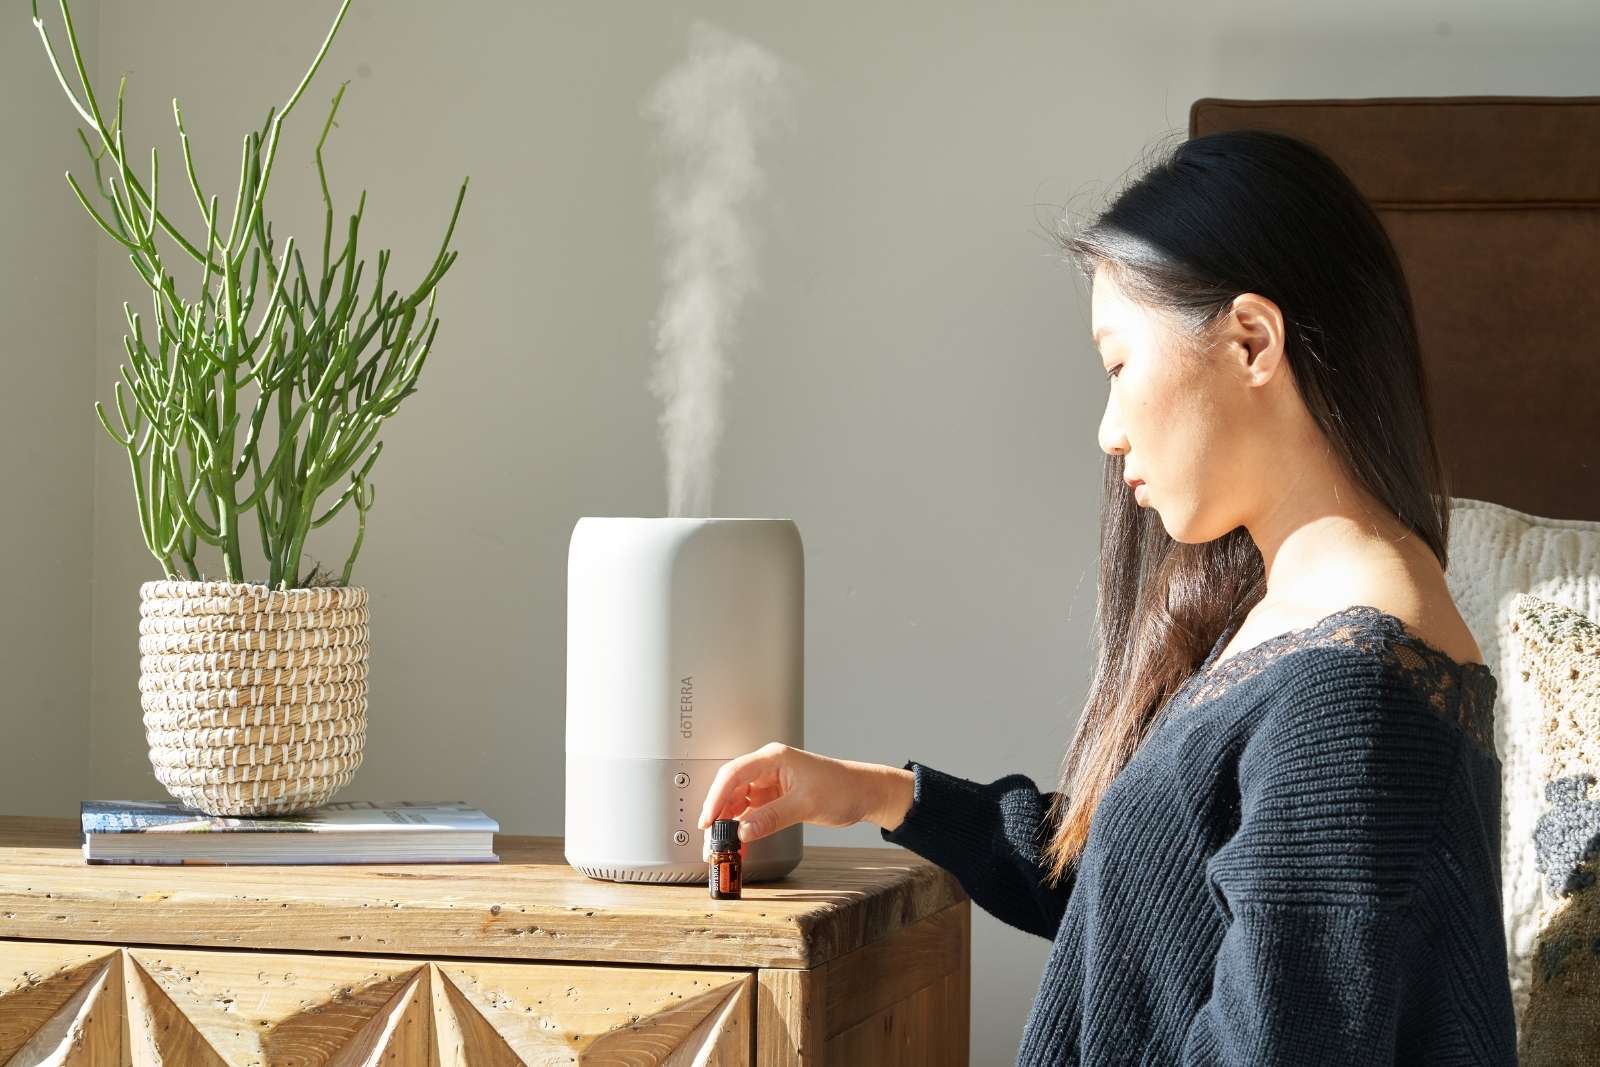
column 685, row 648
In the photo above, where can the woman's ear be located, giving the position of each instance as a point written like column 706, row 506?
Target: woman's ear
column 1255, row 333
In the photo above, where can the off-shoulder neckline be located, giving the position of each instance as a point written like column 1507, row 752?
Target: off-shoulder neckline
column 1392, row 622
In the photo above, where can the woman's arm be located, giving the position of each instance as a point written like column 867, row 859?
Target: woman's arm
column 990, row 836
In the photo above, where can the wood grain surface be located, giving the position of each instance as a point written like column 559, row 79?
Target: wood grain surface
column 530, row 906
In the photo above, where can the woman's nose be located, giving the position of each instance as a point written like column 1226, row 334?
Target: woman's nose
column 1112, row 441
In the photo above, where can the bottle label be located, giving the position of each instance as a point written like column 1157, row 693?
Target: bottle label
column 722, row 878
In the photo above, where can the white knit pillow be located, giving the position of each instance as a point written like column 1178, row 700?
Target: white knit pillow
column 1497, row 552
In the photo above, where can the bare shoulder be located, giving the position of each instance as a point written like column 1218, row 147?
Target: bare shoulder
column 1412, row 590
column 1428, row 614
column 1434, row 618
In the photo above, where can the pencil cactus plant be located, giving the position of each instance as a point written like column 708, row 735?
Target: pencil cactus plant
column 223, row 419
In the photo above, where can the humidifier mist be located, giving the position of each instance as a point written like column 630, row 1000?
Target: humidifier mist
column 685, row 648
column 711, row 114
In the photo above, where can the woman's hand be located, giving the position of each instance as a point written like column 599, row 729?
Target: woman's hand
column 777, row 785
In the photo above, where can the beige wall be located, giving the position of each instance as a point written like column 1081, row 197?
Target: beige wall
column 47, row 432
column 914, row 383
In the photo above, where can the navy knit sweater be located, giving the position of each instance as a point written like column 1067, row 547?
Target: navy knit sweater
column 1300, row 865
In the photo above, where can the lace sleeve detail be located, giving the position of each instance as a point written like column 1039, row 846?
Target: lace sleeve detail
column 1463, row 693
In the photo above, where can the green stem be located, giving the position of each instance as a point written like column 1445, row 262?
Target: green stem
column 363, row 505
column 334, row 370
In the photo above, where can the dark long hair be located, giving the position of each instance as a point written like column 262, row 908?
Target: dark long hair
column 1220, row 215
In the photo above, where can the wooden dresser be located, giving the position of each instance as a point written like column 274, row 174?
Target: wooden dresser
column 860, row 956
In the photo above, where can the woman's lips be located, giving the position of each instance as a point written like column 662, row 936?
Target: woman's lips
column 1139, row 490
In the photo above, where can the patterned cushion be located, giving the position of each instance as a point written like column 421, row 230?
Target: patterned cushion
column 1496, row 553
column 1560, row 654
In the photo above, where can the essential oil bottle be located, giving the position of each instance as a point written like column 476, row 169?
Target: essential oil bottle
column 727, row 873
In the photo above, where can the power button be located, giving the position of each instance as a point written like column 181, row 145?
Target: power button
column 681, row 837
column 680, row 779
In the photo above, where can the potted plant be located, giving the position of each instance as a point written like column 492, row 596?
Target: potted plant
column 255, row 403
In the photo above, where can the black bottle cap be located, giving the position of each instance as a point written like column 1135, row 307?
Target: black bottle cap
column 725, row 835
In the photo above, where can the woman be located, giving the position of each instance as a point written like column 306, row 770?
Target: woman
column 1276, row 835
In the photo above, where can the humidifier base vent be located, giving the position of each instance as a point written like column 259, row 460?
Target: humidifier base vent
column 766, row 860
column 624, row 874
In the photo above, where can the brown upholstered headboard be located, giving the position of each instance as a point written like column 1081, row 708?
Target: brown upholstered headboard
column 1493, row 203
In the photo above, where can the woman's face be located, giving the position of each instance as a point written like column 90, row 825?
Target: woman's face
column 1186, row 420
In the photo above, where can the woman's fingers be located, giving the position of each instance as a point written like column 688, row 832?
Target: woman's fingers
column 776, row 811
column 738, row 807
column 731, row 790
column 768, row 819
column 777, row 786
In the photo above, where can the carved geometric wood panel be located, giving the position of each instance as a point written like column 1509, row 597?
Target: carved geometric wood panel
column 94, row 1005
column 560, row 1014
column 60, row 1004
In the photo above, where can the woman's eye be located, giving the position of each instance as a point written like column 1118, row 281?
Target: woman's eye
column 1112, row 373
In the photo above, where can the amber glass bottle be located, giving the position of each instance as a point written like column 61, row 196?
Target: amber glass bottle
column 726, row 874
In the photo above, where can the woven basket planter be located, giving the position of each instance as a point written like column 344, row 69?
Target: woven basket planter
column 255, row 700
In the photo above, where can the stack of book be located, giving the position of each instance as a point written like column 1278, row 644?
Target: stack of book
column 357, row 831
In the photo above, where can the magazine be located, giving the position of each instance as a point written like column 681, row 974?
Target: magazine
column 354, row 831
